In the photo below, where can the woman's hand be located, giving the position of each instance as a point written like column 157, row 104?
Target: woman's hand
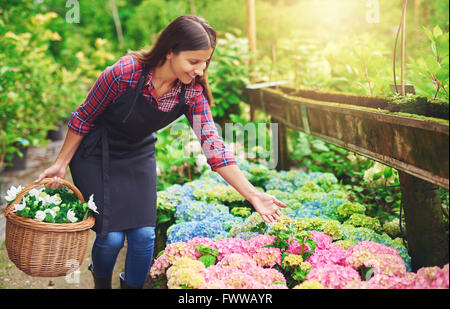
column 57, row 172
column 267, row 206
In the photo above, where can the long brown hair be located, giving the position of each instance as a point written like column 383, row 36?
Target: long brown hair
column 184, row 33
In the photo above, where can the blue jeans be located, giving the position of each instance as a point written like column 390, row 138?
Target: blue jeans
column 139, row 254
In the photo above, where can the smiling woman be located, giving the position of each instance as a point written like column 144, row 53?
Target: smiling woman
column 110, row 145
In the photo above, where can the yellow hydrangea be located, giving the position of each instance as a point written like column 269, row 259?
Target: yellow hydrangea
column 309, row 284
column 292, row 260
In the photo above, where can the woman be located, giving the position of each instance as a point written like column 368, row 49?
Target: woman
column 110, row 144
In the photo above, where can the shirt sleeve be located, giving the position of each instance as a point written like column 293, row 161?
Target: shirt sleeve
column 102, row 93
column 201, row 121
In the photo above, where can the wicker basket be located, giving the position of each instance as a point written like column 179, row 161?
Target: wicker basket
column 42, row 249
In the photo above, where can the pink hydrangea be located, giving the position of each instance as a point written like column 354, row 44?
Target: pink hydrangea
column 334, row 276
column 296, row 248
column 251, row 277
column 432, row 278
column 334, row 255
column 196, row 241
column 382, row 259
column 231, row 245
column 172, row 253
column 323, row 241
column 267, row 257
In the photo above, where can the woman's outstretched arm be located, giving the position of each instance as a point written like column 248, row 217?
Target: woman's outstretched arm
column 266, row 205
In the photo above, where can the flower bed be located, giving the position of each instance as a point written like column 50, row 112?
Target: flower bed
column 323, row 240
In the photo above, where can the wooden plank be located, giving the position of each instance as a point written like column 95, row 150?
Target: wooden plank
column 417, row 146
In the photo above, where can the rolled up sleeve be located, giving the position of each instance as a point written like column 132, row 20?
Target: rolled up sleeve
column 216, row 151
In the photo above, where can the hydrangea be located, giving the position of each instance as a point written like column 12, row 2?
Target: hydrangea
column 185, row 231
column 393, row 228
column 197, row 211
column 325, row 180
column 330, row 227
column 347, row 209
column 382, row 259
column 223, row 194
column 254, row 223
column 185, row 273
column 242, row 212
column 309, row 284
column 334, row 276
column 360, row 220
column 279, row 184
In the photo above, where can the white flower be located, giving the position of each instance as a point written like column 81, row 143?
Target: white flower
column 50, row 211
column 35, row 192
column 40, row 215
column 19, row 207
column 55, row 199
column 200, row 161
column 11, row 194
column 44, row 198
column 71, row 216
column 91, row 204
column 193, row 147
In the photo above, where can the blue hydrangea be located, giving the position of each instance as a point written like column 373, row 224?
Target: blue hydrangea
column 246, row 235
column 197, row 211
column 279, row 184
column 324, row 180
column 227, row 220
column 185, row 231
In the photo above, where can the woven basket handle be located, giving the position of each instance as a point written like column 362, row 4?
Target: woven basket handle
column 42, row 182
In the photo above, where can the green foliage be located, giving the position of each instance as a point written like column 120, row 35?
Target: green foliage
column 209, row 256
column 228, row 75
column 318, row 156
column 434, row 68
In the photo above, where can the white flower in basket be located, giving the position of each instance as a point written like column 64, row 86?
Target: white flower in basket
column 91, row 204
column 71, row 216
column 11, row 194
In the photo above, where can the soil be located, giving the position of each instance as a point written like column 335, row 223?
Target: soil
column 13, row 278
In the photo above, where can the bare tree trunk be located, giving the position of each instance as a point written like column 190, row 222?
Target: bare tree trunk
column 192, row 7
column 405, row 3
column 417, row 4
column 251, row 34
column 115, row 14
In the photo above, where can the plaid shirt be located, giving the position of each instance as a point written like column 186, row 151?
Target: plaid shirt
column 113, row 82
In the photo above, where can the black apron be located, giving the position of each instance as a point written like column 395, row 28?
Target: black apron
column 116, row 160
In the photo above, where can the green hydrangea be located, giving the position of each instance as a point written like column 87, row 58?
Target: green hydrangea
column 329, row 227
column 309, row 186
column 306, row 196
column 243, row 212
column 360, row 220
column 222, row 194
column 393, row 228
column 347, row 209
column 254, row 223
column 347, row 243
column 332, row 228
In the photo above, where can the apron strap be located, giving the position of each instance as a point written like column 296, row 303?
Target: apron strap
column 106, row 181
column 138, row 89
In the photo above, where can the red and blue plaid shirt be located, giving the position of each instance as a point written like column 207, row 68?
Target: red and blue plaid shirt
column 125, row 73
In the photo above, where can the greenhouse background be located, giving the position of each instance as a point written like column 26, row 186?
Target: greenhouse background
column 337, row 108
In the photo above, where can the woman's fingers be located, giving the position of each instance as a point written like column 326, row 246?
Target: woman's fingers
column 279, row 203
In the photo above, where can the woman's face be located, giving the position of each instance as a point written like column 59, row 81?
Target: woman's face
column 188, row 64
